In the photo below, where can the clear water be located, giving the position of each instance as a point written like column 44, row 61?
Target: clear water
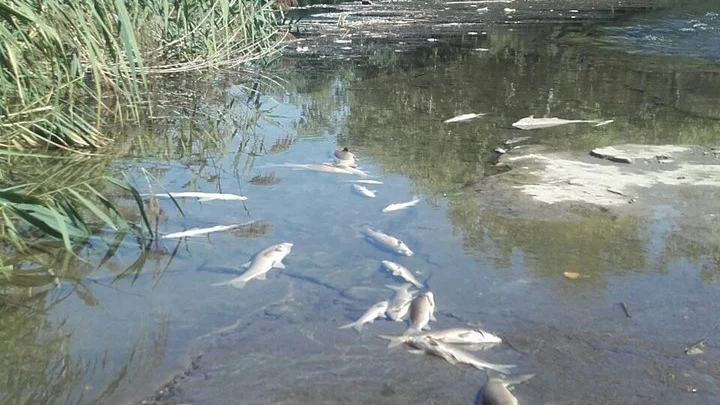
column 126, row 322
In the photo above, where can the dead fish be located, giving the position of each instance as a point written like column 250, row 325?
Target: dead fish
column 265, row 260
column 364, row 181
column 399, row 302
column 401, row 271
column 531, row 122
column 323, row 167
column 387, row 242
column 401, row 206
column 462, row 336
column 204, row 231
column 363, row 191
column 599, row 124
column 422, row 310
column 344, row 156
column 462, row 117
column 202, row 197
column 496, row 390
column 454, row 355
column 376, row 311
column 513, row 141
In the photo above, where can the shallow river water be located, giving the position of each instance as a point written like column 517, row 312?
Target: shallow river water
column 127, row 322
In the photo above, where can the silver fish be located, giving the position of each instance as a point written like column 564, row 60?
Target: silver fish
column 531, row 122
column 202, row 197
column 422, row 311
column 365, row 181
column 376, row 311
column 363, row 191
column 454, row 355
column 323, row 167
column 496, row 391
column 265, row 260
column 464, row 336
column 204, row 231
column 462, row 117
column 401, row 271
column 401, row 206
column 387, row 242
column 400, row 302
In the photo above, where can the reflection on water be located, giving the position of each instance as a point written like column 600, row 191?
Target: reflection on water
column 115, row 321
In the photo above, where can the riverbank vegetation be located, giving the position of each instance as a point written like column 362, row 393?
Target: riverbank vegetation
column 73, row 69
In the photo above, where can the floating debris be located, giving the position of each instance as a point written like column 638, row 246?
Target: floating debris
column 266, row 179
column 253, row 230
column 282, row 144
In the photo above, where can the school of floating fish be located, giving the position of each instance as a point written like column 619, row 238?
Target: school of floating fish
column 453, row 345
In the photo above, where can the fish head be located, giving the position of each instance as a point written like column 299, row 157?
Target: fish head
column 403, row 249
column 430, row 297
column 283, row 248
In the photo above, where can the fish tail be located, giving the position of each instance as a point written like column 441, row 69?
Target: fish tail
column 221, row 283
column 510, row 381
column 394, row 341
column 353, row 325
column 501, row 368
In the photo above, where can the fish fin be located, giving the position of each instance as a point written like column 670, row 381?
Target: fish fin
column 278, row 265
column 221, row 283
column 416, row 351
column 510, row 381
column 262, row 276
column 501, row 368
column 234, row 283
column 427, row 327
column 432, row 318
column 394, row 341
column 246, row 265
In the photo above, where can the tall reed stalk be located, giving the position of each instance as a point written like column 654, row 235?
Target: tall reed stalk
column 72, row 67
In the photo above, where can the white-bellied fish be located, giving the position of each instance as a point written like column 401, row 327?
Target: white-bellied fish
column 202, row 197
column 265, row 260
column 463, row 336
column 462, row 117
column 322, row 167
column 363, row 191
column 376, row 311
column 204, row 231
column 422, row 311
column 364, row 181
column 387, row 242
column 454, row 355
column 496, row 390
column 399, row 304
column 401, row 271
column 401, row 206
column 531, row 122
